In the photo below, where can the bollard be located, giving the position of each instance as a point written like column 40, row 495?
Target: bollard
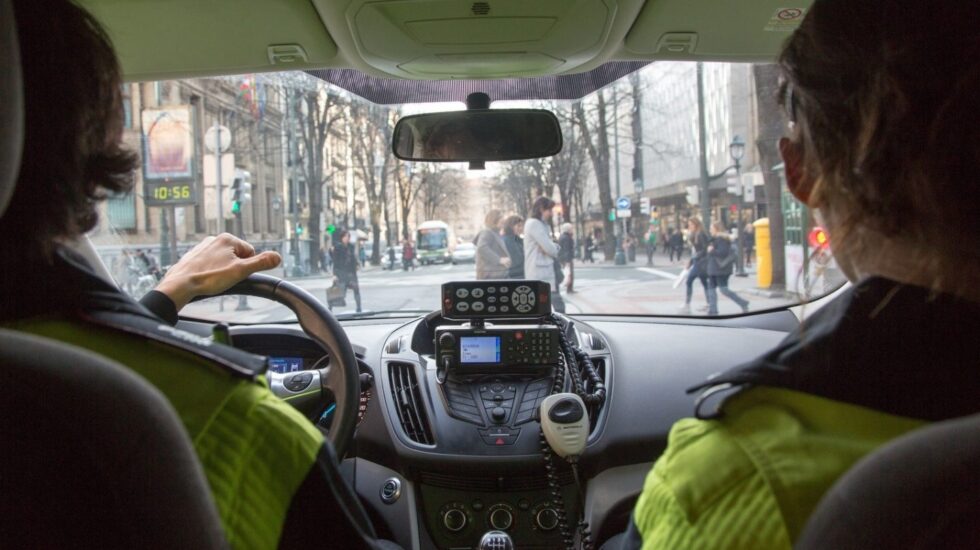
column 763, row 253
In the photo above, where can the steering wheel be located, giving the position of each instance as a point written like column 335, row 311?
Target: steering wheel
column 339, row 379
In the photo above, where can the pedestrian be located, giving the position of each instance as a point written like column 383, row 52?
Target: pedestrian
column 361, row 254
column 720, row 261
column 566, row 254
column 345, row 266
column 492, row 259
column 589, row 249
column 391, row 258
column 408, row 255
column 651, row 242
column 748, row 243
column 513, row 225
column 323, row 253
column 676, row 244
column 540, row 251
column 697, row 267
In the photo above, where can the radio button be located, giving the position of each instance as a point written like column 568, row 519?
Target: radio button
column 477, row 306
column 462, row 306
column 462, row 293
column 477, row 293
column 492, row 309
column 504, row 309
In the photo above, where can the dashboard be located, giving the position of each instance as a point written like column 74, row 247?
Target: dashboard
column 438, row 460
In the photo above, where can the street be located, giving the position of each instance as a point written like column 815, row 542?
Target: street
column 633, row 289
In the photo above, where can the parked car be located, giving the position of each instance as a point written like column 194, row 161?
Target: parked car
column 464, row 253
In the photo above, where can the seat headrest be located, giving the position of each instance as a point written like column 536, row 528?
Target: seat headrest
column 11, row 104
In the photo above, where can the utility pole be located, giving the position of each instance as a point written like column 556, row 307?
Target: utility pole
column 703, row 152
column 293, row 181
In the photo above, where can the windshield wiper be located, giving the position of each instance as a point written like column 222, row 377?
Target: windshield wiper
column 380, row 312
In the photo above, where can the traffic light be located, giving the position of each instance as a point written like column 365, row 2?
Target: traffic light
column 818, row 238
column 331, row 229
column 241, row 190
column 299, row 229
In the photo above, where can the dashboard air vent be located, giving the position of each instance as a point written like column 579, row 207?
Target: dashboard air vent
column 593, row 341
column 595, row 410
column 408, row 402
column 481, row 8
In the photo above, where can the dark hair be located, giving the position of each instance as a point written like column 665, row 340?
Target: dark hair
column 510, row 222
column 340, row 235
column 540, row 205
column 884, row 100
column 73, row 156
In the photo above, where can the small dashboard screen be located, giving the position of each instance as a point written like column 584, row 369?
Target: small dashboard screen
column 282, row 365
column 479, row 349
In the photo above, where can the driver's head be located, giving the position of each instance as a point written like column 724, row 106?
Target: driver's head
column 73, row 157
column 884, row 141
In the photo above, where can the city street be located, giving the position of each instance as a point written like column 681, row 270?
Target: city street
column 633, row 289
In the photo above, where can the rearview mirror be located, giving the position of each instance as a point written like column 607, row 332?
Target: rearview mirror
column 477, row 135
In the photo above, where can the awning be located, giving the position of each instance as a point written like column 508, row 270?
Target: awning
column 388, row 91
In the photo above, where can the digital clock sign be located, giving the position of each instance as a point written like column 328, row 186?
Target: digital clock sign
column 167, row 194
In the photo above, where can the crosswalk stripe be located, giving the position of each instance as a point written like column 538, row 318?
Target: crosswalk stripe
column 657, row 272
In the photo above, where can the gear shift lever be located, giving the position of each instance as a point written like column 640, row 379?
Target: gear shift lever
column 496, row 540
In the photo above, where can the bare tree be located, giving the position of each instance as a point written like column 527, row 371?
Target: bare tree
column 568, row 170
column 318, row 110
column 772, row 121
column 408, row 182
column 594, row 127
column 440, row 191
column 371, row 130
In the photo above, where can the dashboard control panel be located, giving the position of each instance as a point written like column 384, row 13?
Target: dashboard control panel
column 496, row 349
column 505, row 299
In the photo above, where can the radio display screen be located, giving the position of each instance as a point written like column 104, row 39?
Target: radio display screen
column 479, row 349
column 283, row 365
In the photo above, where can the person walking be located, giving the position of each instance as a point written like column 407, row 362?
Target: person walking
column 651, row 242
column 676, row 243
column 513, row 225
column 361, row 254
column 345, row 264
column 540, row 251
column 566, row 254
column 721, row 257
column 698, row 269
column 748, row 243
column 391, row 258
column 408, row 255
column 589, row 249
column 492, row 259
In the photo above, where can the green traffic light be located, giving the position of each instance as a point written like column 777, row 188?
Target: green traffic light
column 331, row 228
column 236, row 207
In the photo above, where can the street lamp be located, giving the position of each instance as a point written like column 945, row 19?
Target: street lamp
column 737, row 150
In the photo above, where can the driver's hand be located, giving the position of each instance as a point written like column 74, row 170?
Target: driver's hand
column 505, row 262
column 213, row 266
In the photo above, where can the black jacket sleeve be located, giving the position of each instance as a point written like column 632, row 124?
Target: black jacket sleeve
column 160, row 305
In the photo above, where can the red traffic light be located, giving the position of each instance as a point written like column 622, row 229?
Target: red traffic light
column 733, row 209
column 818, row 238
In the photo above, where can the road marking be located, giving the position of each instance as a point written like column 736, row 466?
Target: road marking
column 658, row 273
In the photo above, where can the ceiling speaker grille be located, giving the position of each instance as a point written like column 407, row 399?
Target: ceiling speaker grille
column 481, row 8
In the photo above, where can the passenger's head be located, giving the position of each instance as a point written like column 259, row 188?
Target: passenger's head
column 343, row 236
column 73, row 156
column 513, row 225
column 567, row 228
column 883, row 105
column 493, row 219
column 542, row 208
column 718, row 228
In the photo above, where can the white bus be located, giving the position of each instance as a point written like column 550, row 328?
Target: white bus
column 434, row 242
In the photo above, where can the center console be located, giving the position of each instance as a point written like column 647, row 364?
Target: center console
column 476, row 376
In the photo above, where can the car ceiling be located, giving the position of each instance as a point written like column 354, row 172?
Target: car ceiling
column 387, row 41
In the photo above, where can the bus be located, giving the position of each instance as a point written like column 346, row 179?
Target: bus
column 433, row 242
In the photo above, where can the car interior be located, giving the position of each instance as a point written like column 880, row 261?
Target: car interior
column 437, row 416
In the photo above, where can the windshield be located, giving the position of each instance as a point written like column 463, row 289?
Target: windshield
column 292, row 163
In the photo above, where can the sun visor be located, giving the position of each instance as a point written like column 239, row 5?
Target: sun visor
column 388, row 91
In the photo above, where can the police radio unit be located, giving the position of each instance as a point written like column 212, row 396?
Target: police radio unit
column 479, row 348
